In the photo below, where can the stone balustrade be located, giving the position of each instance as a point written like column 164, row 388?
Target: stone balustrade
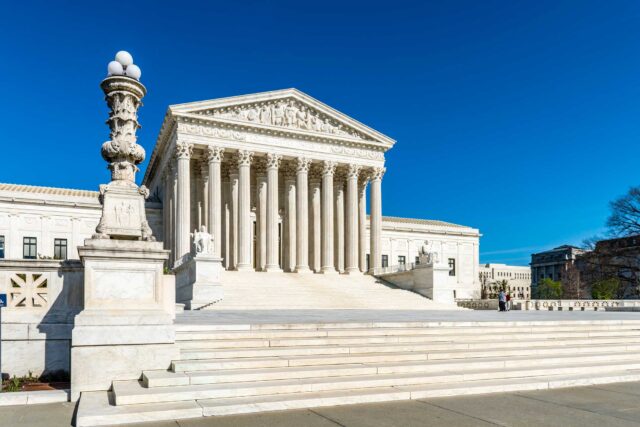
column 43, row 298
column 559, row 305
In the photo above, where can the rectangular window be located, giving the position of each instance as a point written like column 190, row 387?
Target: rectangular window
column 417, row 260
column 402, row 260
column 59, row 248
column 368, row 265
column 1, row 246
column 29, row 248
column 452, row 267
column 385, row 261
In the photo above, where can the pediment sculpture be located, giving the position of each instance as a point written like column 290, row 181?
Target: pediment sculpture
column 286, row 113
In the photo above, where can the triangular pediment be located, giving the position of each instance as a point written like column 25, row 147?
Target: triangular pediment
column 287, row 109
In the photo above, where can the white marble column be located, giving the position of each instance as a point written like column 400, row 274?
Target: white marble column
column 166, row 205
column 261, row 213
column 338, row 223
column 244, row 159
column 204, row 193
column 183, row 217
column 290, row 218
column 351, row 227
column 302, row 215
column 362, row 221
column 174, row 210
column 214, row 197
column 328, row 266
column 233, row 213
column 315, row 219
column 376, row 218
column 225, row 216
column 273, row 163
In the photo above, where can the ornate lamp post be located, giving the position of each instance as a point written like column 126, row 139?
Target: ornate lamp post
column 123, row 213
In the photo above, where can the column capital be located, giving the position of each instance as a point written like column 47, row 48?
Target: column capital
column 303, row 164
column 214, row 154
column 260, row 166
column 184, row 150
column 328, row 168
column 273, row 160
column 244, row 157
column 353, row 171
column 377, row 173
column 290, row 171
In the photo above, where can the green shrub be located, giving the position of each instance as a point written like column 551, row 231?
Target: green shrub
column 549, row 289
column 605, row 289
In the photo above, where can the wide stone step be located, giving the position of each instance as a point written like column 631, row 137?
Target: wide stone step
column 312, row 330
column 271, row 362
column 132, row 392
column 169, row 378
column 97, row 408
column 252, row 404
column 196, row 354
column 381, row 339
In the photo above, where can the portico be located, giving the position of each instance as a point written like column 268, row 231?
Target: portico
column 279, row 179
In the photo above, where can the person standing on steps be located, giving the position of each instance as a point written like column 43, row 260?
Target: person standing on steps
column 508, row 302
column 502, row 300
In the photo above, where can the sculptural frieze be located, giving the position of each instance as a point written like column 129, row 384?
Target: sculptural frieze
column 287, row 113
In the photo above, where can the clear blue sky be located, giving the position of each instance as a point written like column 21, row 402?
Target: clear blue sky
column 520, row 118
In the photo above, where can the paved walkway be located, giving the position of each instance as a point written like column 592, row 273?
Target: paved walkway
column 606, row 405
column 308, row 316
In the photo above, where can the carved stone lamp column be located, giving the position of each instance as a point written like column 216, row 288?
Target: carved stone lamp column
column 126, row 325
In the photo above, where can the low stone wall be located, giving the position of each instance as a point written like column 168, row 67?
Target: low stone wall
column 566, row 305
column 43, row 298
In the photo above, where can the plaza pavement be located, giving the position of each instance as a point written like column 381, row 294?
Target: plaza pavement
column 609, row 405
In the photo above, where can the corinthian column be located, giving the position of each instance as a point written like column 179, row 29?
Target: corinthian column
column 204, row 191
column 362, row 221
column 290, row 218
column 302, row 217
column 338, row 223
column 233, row 213
column 376, row 219
column 261, row 213
column 328, row 168
column 214, row 197
column 351, row 228
column 315, row 215
column 183, row 226
column 273, row 163
column 225, row 216
column 244, row 210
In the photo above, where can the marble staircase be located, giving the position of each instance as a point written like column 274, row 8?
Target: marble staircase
column 234, row 369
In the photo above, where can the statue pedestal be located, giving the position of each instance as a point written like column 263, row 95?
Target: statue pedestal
column 432, row 281
column 127, row 322
column 198, row 281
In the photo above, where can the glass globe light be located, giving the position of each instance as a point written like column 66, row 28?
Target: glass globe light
column 115, row 69
column 133, row 71
column 124, row 58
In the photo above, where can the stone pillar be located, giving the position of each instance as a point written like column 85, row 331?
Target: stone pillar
column 214, row 198
column 376, row 219
column 338, row 224
column 315, row 218
column 290, row 218
column 362, row 221
column 352, row 214
column 233, row 214
column 273, row 163
column 166, row 206
column 174, row 210
column 203, row 190
column 183, row 226
column 244, row 159
column 225, row 216
column 261, row 213
column 302, row 216
column 327, row 217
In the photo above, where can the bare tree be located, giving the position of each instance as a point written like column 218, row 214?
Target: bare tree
column 572, row 287
column 624, row 219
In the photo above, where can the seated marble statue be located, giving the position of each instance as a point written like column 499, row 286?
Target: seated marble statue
column 427, row 254
column 202, row 241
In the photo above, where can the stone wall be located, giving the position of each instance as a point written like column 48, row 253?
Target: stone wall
column 43, row 298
